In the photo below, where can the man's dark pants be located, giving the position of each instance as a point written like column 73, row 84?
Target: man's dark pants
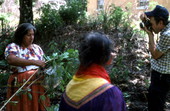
column 158, row 90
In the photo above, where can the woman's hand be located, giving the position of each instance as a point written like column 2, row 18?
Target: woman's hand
column 39, row 63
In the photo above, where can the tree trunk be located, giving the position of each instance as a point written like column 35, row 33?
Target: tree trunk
column 26, row 13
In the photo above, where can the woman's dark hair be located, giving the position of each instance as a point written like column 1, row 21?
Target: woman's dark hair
column 21, row 31
column 95, row 48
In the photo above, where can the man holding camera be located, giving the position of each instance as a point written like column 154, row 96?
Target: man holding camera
column 156, row 21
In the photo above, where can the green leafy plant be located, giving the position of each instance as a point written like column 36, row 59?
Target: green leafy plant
column 71, row 12
column 3, row 79
column 49, row 22
column 113, row 18
column 116, row 14
column 60, row 69
column 120, row 72
column 5, row 38
column 53, row 108
column 119, row 75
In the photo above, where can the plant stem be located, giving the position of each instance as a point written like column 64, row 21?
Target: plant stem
column 18, row 90
column 34, row 81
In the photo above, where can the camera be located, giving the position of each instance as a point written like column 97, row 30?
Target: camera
column 147, row 24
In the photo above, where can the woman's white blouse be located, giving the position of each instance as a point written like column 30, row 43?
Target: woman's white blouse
column 33, row 53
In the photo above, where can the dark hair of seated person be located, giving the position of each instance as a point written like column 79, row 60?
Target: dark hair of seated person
column 95, row 48
column 21, row 31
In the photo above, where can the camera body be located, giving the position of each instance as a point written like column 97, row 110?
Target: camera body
column 147, row 24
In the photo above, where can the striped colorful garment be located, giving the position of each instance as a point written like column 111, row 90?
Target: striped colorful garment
column 26, row 100
column 92, row 93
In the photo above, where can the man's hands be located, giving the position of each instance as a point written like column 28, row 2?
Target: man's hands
column 143, row 17
column 149, row 32
column 152, row 46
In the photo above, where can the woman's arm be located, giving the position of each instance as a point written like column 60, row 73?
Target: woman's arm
column 16, row 61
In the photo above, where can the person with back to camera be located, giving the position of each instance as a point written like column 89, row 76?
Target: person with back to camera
column 91, row 88
column 26, row 58
column 160, row 52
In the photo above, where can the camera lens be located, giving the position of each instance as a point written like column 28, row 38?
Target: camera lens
column 142, row 25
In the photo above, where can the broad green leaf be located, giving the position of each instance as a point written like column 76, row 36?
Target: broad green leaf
column 29, row 96
column 42, row 97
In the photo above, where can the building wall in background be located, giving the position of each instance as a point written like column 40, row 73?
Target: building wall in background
column 165, row 3
column 93, row 7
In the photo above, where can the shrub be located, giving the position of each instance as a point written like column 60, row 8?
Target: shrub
column 49, row 22
column 71, row 12
column 113, row 19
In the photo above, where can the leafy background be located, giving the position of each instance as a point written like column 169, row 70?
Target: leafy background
column 59, row 33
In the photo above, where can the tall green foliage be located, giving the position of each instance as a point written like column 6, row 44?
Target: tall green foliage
column 113, row 19
column 6, row 36
column 49, row 22
column 116, row 15
column 71, row 12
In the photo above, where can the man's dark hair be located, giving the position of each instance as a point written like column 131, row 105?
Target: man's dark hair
column 21, row 31
column 95, row 48
column 158, row 19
